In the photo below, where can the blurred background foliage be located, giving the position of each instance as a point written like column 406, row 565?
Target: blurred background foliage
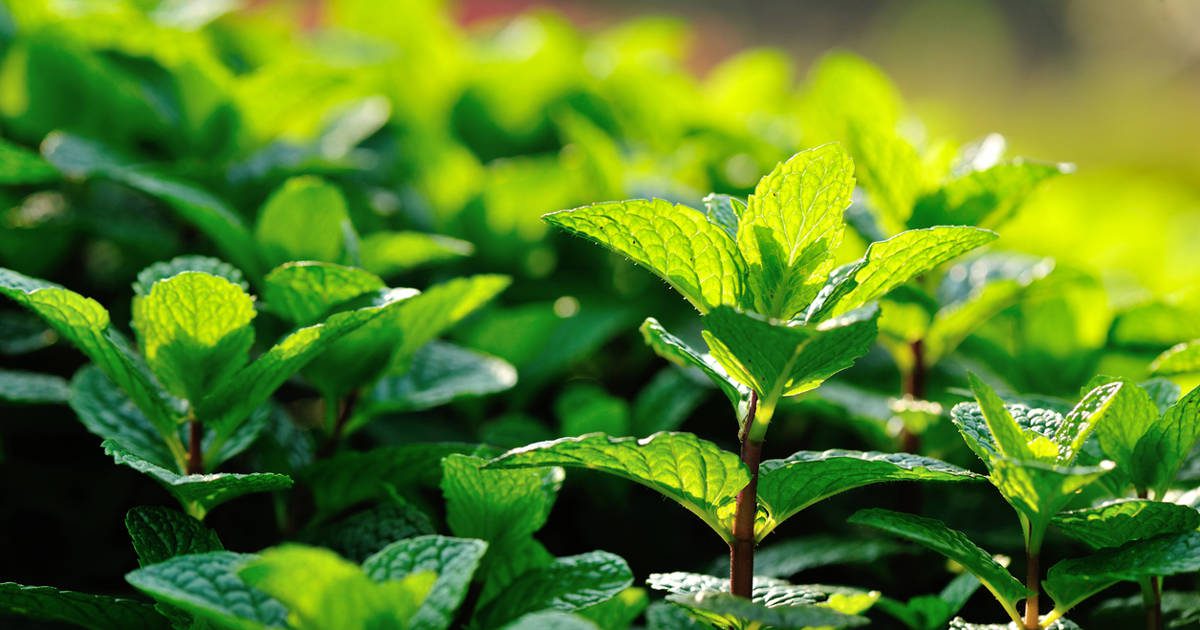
column 469, row 120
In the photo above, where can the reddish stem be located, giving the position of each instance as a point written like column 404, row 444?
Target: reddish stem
column 741, row 548
column 1032, row 622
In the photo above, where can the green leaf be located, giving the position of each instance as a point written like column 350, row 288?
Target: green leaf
column 390, row 253
column 587, row 408
column 228, row 405
column 32, row 388
column 786, row 486
column 389, row 342
column 697, row 474
column 791, row 227
column 677, row 243
column 1072, row 581
column 889, row 169
column 352, row 477
column 724, row 211
column 1079, row 423
column 84, row 323
column 194, row 330
column 305, row 291
column 551, row 620
column 889, row 264
column 159, row 534
column 200, row 493
column 1130, row 416
column 108, row 413
column 988, row 197
column 666, row 402
column 492, row 504
column 322, row 591
column 1167, row 443
column 1115, row 523
column 207, row 585
column 78, row 158
column 441, row 373
column 934, row 535
column 363, row 533
column 20, row 166
column 674, row 349
column 1039, row 490
column 786, row 359
column 99, row 612
column 1002, row 437
column 567, row 584
column 304, row 219
column 620, row 611
column 453, row 560
column 1181, row 359
column 171, row 268
column 730, row 611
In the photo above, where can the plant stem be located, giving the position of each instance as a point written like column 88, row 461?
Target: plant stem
column 195, row 459
column 914, row 387
column 345, row 409
column 741, row 548
column 1032, row 583
column 1152, row 602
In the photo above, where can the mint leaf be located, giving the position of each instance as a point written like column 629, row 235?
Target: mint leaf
column 725, row 211
column 934, row 535
column 620, row 611
column 790, row 229
column 998, row 434
column 567, row 584
column 695, row 473
column 309, row 202
column 84, row 323
column 1167, row 443
column 1071, row 581
column 1180, row 359
column 108, row 413
column 720, row 608
column 786, row 486
column 99, row 612
column 453, row 560
column 389, row 253
column 674, row 349
column 79, row 158
column 303, row 292
column 677, row 243
column 1118, row 522
column 31, row 388
column 493, row 504
column 323, row 591
column 200, row 493
column 207, row 585
column 194, row 330
column 786, row 359
column 666, row 402
column 20, row 166
column 889, row 264
column 889, row 169
column 988, row 197
column 171, row 268
column 352, row 477
column 159, row 534
column 1038, row 490
column 1131, row 415
column 551, row 620
column 363, row 533
column 441, row 373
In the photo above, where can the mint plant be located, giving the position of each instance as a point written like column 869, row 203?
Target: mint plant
column 779, row 320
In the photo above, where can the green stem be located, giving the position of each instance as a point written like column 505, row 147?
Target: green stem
column 1152, row 602
column 337, row 415
column 741, row 548
column 1033, row 583
column 195, row 458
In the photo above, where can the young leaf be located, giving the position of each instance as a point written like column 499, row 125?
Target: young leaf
column 194, row 330
column 791, row 227
column 889, row 264
column 1038, row 490
column 84, row 323
column 309, row 202
column 171, row 268
column 567, row 584
column 786, row 486
column 987, row 197
column 352, row 477
column 724, row 211
column 31, row 388
column 159, row 534
column 1082, row 420
column 1180, row 359
column 1071, row 581
column 441, row 373
column 1131, row 414
column 673, row 349
column 999, row 435
column 934, row 535
column 1167, row 443
column 388, row 253
column 1118, row 522
column 697, row 474
column 80, row 158
column 99, row 612
column 200, row 493
column 453, row 560
column 207, row 585
column 784, row 360
column 303, row 292
column 720, row 608
column 322, row 590
column 677, row 243
column 889, row 169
